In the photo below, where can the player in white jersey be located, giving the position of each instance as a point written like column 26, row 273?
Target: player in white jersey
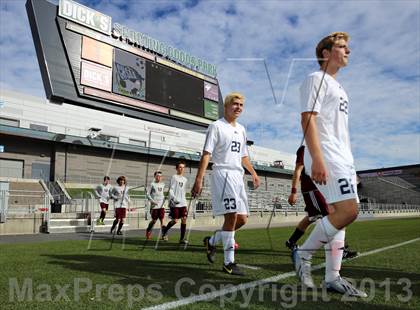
column 121, row 200
column 328, row 159
column 102, row 192
column 156, row 197
column 226, row 144
column 177, row 202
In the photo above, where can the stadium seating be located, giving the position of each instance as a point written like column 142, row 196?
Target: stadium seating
column 389, row 189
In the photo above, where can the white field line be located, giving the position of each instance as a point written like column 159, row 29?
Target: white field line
column 245, row 286
column 249, row 267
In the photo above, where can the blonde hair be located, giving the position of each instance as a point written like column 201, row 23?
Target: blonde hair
column 232, row 96
column 328, row 42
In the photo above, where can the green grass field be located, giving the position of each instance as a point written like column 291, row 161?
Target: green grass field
column 66, row 275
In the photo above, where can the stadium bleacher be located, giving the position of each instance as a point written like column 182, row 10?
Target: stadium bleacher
column 389, row 189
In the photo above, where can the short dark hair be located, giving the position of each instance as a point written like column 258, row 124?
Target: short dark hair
column 181, row 162
column 157, row 172
column 106, row 178
column 122, row 178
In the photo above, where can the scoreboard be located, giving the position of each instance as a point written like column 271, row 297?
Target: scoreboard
column 85, row 60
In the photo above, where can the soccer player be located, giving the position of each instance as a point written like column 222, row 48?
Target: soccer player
column 177, row 203
column 121, row 199
column 226, row 144
column 329, row 160
column 156, row 197
column 315, row 204
column 102, row 192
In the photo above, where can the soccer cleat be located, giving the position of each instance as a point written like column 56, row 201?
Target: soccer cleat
column 119, row 232
column 164, row 238
column 233, row 269
column 342, row 286
column 303, row 269
column 148, row 235
column 347, row 253
column 210, row 249
column 183, row 241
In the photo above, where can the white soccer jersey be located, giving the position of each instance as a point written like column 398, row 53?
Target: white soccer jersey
column 177, row 190
column 227, row 145
column 120, row 196
column 156, row 194
column 103, row 192
column 332, row 106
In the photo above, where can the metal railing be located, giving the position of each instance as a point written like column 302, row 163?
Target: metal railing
column 20, row 202
column 23, row 202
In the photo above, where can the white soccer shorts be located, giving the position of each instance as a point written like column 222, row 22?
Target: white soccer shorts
column 341, row 184
column 228, row 192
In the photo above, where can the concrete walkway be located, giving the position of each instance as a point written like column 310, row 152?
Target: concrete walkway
column 40, row 237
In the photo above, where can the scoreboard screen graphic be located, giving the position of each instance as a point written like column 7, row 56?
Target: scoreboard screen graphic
column 129, row 75
column 87, row 60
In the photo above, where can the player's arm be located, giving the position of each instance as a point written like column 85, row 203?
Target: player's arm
column 319, row 171
column 295, row 181
column 149, row 196
column 126, row 194
column 98, row 192
column 248, row 166
column 114, row 194
column 198, row 184
column 172, row 190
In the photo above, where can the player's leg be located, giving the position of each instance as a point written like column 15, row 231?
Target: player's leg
column 345, row 213
column 104, row 209
column 162, row 217
column 183, row 226
column 121, row 222
column 162, row 220
column 341, row 191
column 236, row 205
column 174, row 215
column 298, row 233
column 228, row 239
column 114, row 224
column 151, row 224
column 241, row 220
column 324, row 231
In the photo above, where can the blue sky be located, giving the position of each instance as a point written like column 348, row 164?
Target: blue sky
column 382, row 79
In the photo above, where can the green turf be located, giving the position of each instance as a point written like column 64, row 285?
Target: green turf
column 79, row 192
column 53, row 265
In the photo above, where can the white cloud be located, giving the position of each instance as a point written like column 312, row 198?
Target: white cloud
column 382, row 79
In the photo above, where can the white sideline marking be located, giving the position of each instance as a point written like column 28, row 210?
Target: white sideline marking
column 244, row 286
column 249, row 267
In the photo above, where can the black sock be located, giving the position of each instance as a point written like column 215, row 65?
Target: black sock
column 149, row 228
column 170, row 224
column 114, row 224
column 120, row 226
column 296, row 235
column 183, row 228
column 102, row 217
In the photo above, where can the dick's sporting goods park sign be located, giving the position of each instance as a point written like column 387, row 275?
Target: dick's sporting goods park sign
column 86, row 59
column 100, row 22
